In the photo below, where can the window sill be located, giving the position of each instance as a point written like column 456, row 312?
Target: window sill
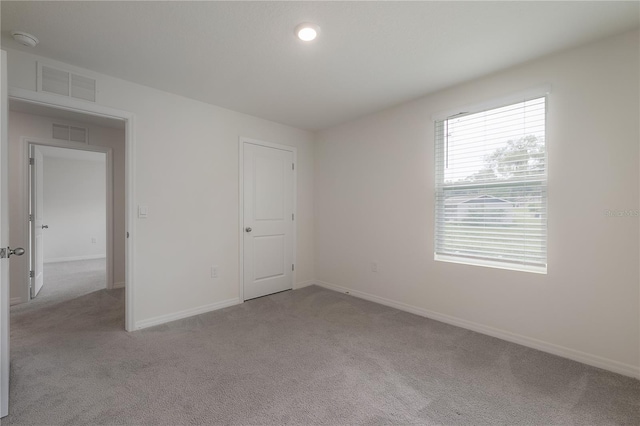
column 490, row 264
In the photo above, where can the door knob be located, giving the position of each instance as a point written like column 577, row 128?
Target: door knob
column 248, row 229
column 45, row 226
column 17, row 251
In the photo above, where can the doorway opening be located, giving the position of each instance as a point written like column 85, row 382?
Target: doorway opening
column 70, row 205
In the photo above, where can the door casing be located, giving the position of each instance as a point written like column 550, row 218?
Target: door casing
column 241, row 143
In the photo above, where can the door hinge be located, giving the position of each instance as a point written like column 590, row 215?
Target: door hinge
column 32, row 161
column 293, row 216
column 293, row 267
column 30, row 218
column 32, row 274
column 293, row 166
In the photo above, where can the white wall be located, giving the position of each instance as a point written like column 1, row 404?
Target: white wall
column 39, row 127
column 186, row 171
column 375, row 202
column 74, row 208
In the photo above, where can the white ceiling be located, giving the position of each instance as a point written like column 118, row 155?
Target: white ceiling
column 369, row 56
column 72, row 154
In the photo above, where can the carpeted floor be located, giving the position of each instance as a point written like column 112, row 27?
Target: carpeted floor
column 308, row 356
column 67, row 280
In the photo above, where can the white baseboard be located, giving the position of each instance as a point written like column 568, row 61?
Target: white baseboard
column 303, row 284
column 118, row 285
column 15, row 301
column 185, row 314
column 74, row 258
column 583, row 357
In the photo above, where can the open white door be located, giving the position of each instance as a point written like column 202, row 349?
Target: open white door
column 37, row 225
column 4, row 243
column 268, row 220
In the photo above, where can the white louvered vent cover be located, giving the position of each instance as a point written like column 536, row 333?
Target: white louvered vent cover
column 55, row 81
column 70, row 133
column 77, row 134
column 60, row 132
column 83, row 88
column 65, row 83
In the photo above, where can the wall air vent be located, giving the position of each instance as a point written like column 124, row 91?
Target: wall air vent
column 70, row 133
column 55, row 81
column 83, row 88
column 66, row 83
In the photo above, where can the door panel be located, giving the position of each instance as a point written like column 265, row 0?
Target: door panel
column 269, row 188
column 269, row 256
column 37, row 240
column 268, row 220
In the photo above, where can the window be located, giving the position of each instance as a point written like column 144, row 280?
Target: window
column 491, row 187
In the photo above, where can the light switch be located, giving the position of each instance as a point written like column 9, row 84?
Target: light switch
column 143, row 212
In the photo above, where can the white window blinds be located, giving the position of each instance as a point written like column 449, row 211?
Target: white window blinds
column 491, row 187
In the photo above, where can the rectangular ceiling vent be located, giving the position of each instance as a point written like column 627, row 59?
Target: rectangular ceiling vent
column 66, row 83
column 70, row 133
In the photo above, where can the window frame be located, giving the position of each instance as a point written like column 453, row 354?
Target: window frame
column 542, row 181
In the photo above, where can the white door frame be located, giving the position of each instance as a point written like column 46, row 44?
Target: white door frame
column 70, row 104
column 241, row 142
column 27, row 142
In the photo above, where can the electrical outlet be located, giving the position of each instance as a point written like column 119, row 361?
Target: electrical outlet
column 93, row 240
column 374, row 266
column 214, row 272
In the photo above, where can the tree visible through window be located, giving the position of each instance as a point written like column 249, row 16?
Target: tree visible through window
column 491, row 182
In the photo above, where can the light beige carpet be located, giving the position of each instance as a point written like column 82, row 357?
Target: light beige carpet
column 309, row 356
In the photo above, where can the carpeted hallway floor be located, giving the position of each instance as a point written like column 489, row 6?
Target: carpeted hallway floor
column 65, row 281
column 309, row 356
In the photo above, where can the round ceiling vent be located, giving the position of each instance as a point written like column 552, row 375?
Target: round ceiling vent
column 25, row 38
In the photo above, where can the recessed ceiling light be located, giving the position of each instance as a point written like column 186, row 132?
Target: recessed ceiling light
column 25, row 38
column 307, row 31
